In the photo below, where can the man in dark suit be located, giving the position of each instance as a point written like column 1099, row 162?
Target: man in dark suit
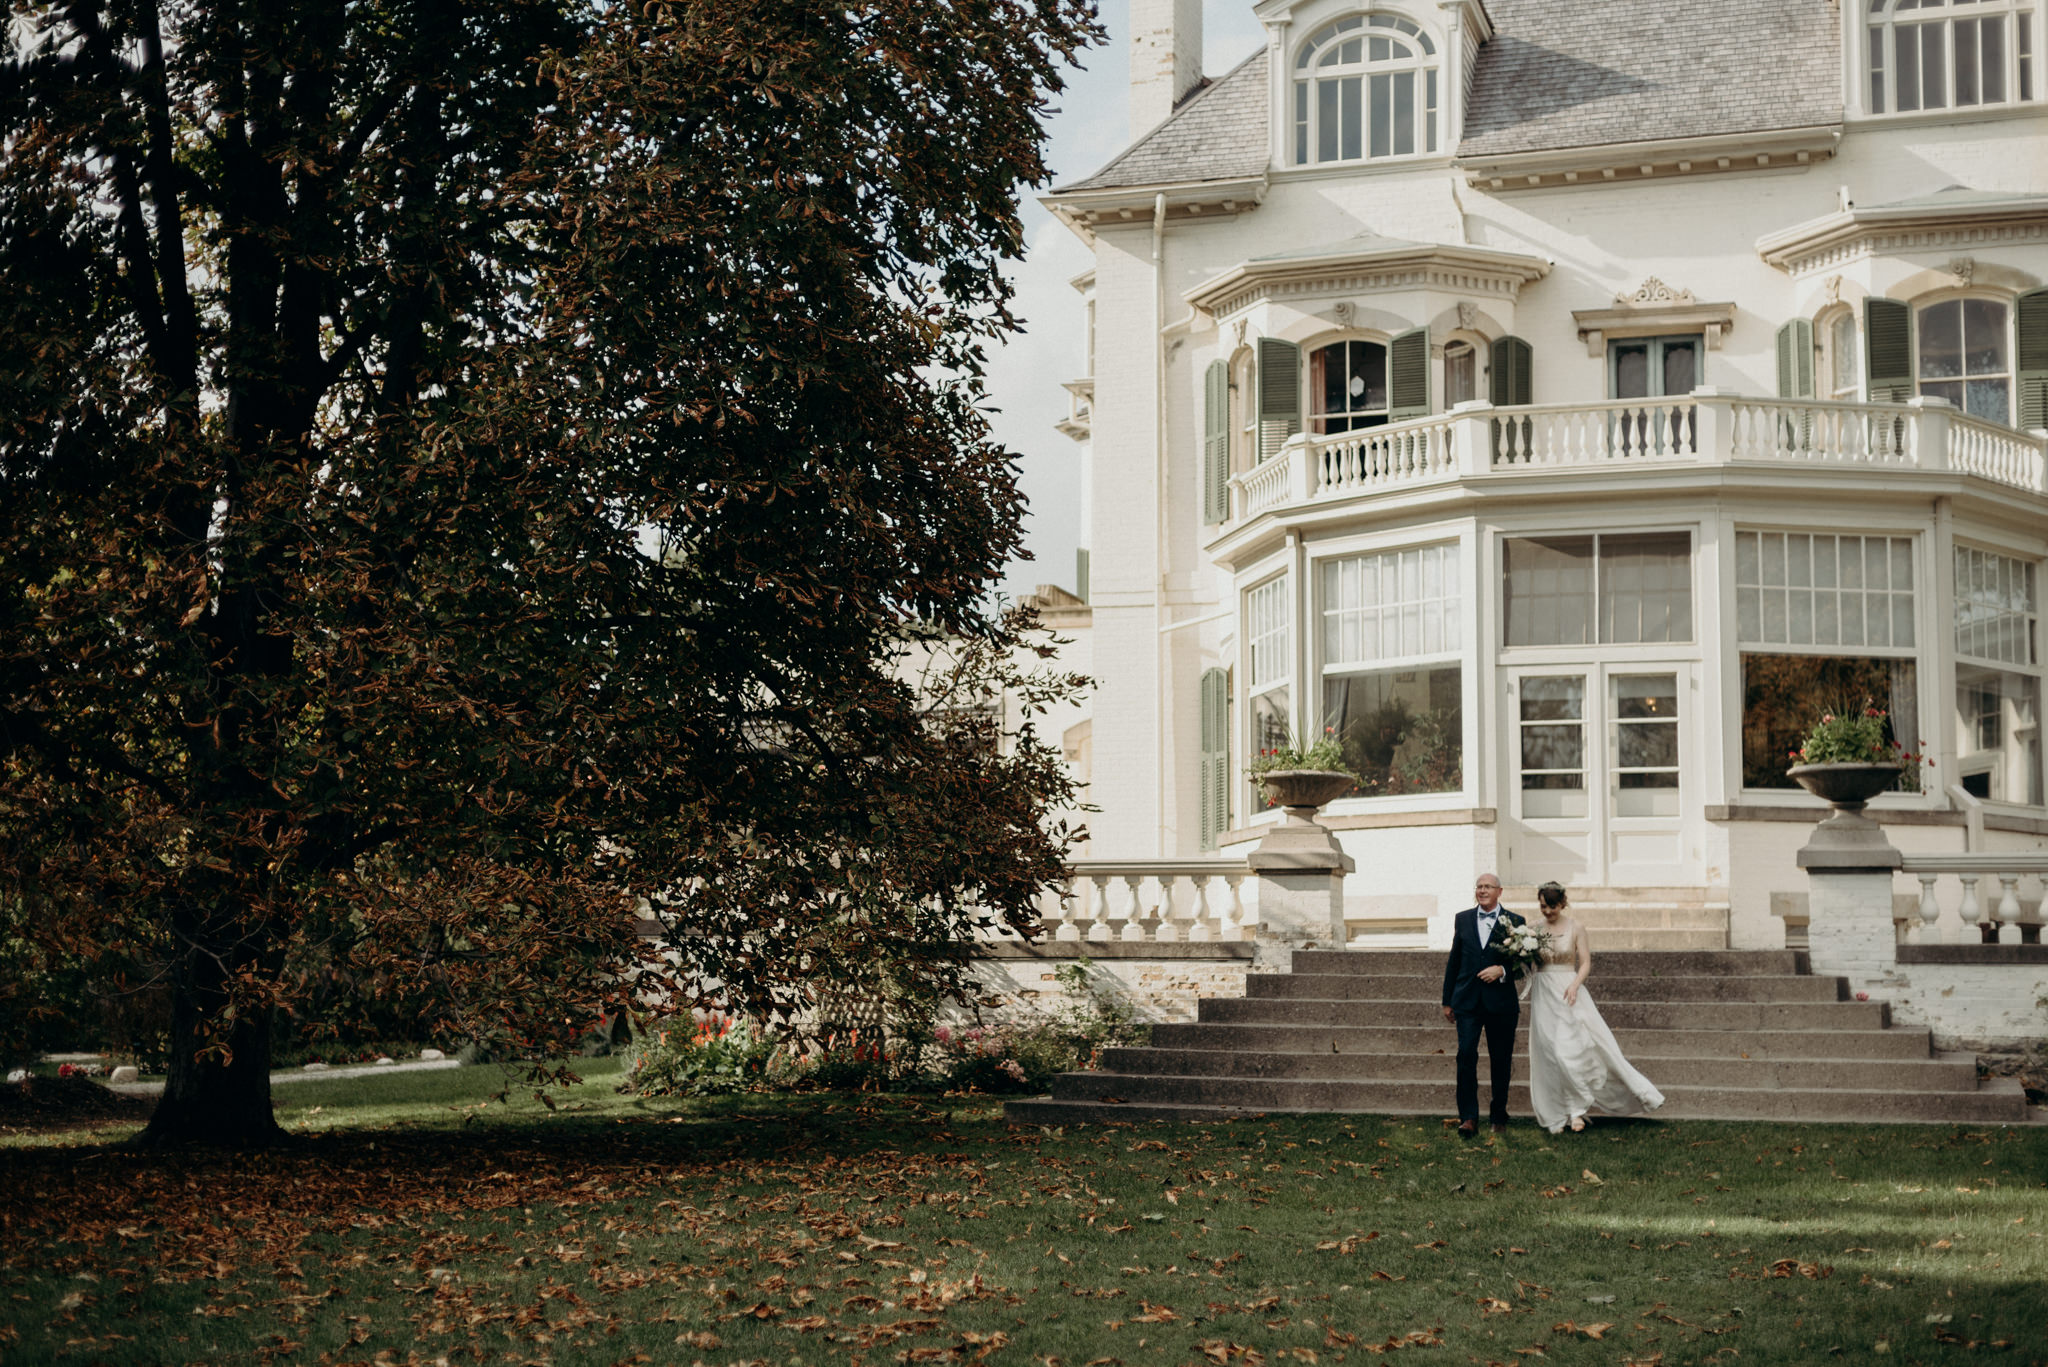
column 1479, row 997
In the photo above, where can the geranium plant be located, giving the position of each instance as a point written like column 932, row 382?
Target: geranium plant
column 1326, row 754
column 1860, row 737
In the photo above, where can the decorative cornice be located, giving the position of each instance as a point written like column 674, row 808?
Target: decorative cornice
column 1468, row 270
column 1710, row 155
column 1892, row 230
column 1649, row 310
column 1086, row 210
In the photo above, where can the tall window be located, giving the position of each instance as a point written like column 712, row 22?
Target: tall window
column 1347, row 385
column 1461, row 374
column 1825, row 624
column 1576, row 590
column 1998, row 689
column 1393, row 685
column 1845, row 357
column 1365, row 87
column 1949, row 54
column 1964, row 356
column 1270, row 646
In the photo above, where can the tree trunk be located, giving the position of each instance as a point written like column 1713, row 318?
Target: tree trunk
column 208, row 1099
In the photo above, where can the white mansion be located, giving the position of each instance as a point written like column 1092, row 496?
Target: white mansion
column 1562, row 403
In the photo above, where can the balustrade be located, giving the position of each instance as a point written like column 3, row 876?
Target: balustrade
column 2001, row 893
column 1158, row 901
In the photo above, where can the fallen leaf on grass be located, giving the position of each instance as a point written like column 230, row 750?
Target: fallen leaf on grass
column 1792, row 1267
column 1592, row 1178
column 698, row 1338
column 1492, row 1305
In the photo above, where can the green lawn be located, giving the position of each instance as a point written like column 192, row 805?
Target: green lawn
column 421, row 1220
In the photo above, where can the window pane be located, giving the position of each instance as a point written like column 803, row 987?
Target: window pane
column 1271, row 725
column 1966, row 62
column 1845, row 355
column 1646, row 587
column 1555, row 697
column 1402, row 731
column 1908, row 67
column 1301, row 122
column 1784, row 695
column 1631, row 370
column 1877, row 71
column 1941, row 340
column 1933, row 84
column 1983, row 337
column 1351, row 130
column 1998, row 739
column 1992, row 33
column 1367, row 388
column 2023, row 31
column 1987, row 399
column 1382, row 120
column 1461, row 375
column 1429, row 109
column 1548, row 595
column 1404, row 113
column 1326, row 120
column 1681, row 367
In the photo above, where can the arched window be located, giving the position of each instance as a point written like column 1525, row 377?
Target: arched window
column 1966, row 357
column 1365, row 87
column 1461, row 374
column 1347, row 386
column 1949, row 54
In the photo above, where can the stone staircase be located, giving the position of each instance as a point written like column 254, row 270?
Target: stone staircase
column 1725, row 1035
column 1641, row 918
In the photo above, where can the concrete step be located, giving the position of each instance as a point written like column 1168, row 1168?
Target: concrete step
column 1946, row 1072
column 1607, row 988
column 1990, row 1103
column 1387, row 1041
column 1647, row 963
column 1642, row 1015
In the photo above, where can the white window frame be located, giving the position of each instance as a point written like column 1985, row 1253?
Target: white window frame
column 1267, row 630
column 1422, row 59
column 2029, row 638
column 1879, row 33
column 2009, row 375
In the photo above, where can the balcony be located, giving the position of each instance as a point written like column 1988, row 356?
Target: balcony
column 1699, row 430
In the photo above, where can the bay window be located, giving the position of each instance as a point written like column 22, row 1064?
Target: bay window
column 1825, row 625
column 1998, row 687
column 1393, row 681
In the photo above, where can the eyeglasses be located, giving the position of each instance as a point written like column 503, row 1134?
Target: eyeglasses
column 1487, row 887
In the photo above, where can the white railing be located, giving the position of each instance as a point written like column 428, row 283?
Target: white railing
column 1813, row 430
column 1595, row 433
column 1705, row 427
column 1383, row 457
column 1157, row 901
column 2004, row 890
column 1997, row 453
column 1267, row 485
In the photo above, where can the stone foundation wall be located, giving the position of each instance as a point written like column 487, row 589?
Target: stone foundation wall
column 1970, row 997
column 1156, row 982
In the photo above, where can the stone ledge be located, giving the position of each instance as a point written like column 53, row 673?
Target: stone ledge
column 1377, row 821
column 1884, row 816
column 1991, row 955
column 1219, row 950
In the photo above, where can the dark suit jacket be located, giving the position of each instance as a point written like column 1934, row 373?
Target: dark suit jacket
column 1463, row 992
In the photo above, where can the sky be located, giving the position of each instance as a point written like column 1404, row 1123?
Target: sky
column 1091, row 126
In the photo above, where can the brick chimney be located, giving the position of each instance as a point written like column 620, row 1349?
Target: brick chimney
column 1166, row 58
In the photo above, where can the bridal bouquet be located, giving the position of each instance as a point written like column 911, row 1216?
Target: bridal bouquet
column 1522, row 946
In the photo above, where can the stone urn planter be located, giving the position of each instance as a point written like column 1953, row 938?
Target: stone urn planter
column 1848, row 838
column 1304, row 792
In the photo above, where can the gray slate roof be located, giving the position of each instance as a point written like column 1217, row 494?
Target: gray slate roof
column 1557, row 74
column 1218, row 133
column 1577, row 73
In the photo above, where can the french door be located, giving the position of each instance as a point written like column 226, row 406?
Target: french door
column 1598, row 788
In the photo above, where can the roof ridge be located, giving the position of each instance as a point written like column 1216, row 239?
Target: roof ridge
column 1187, row 108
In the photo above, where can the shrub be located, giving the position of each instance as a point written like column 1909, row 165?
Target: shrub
column 711, row 1056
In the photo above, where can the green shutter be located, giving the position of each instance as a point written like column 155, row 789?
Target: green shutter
column 1888, row 350
column 2032, row 329
column 1408, row 375
column 1279, row 394
column 1512, row 372
column 1795, row 360
column 1215, row 772
column 1216, row 443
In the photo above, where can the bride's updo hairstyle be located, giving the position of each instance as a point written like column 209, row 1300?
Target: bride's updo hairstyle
column 1551, row 895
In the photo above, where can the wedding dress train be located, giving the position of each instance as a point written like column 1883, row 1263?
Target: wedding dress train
column 1574, row 1063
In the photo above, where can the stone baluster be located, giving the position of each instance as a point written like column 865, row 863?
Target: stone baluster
column 1098, row 908
column 1170, row 928
column 1134, row 907
column 2008, row 909
column 1928, row 932
column 1971, row 911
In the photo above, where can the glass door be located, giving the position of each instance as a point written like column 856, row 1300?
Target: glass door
column 1598, row 786
column 1653, row 368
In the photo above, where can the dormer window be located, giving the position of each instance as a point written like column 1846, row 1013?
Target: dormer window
column 1365, row 87
column 1949, row 54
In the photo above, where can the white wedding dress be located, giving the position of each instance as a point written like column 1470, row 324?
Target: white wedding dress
column 1574, row 1063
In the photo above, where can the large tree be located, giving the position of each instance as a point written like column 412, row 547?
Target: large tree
column 468, row 470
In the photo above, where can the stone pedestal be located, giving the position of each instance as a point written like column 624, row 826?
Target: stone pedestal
column 1849, row 865
column 1300, row 871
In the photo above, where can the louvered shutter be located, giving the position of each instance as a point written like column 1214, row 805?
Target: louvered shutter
column 1795, row 360
column 1216, row 443
column 1888, row 350
column 1408, row 375
column 1513, row 376
column 2031, row 310
column 1215, row 768
column 1279, row 394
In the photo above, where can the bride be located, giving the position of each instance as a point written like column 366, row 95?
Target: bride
column 1574, row 1063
